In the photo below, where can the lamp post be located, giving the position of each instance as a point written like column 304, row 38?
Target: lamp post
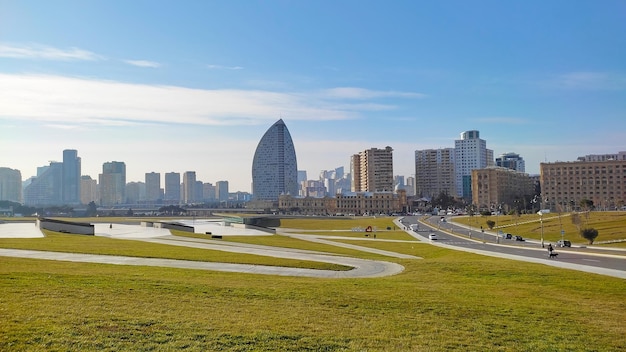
column 541, row 220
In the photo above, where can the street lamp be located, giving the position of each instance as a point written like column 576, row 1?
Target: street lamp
column 541, row 220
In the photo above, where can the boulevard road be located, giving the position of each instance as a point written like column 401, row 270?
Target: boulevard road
column 604, row 261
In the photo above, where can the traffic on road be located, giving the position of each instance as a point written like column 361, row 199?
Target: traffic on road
column 441, row 231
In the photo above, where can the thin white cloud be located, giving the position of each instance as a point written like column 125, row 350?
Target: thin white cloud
column 221, row 67
column 503, row 120
column 62, row 126
column 79, row 101
column 589, row 80
column 362, row 94
column 43, row 52
column 143, row 63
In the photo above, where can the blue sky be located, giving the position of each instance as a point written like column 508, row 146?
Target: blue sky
column 193, row 85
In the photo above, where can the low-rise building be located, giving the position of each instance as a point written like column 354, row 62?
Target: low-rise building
column 565, row 184
column 501, row 187
column 357, row 203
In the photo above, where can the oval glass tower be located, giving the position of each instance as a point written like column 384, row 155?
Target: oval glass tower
column 274, row 167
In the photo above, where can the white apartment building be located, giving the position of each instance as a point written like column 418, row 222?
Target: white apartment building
column 471, row 153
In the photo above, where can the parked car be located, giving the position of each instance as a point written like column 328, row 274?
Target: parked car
column 518, row 238
column 563, row 243
column 432, row 236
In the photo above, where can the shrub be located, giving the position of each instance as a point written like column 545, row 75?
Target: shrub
column 589, row 234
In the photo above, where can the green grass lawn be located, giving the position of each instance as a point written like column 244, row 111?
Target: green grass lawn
column 59, row 242
column 610, row 225
column 447, row 301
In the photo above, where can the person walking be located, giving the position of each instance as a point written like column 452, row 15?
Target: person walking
column 550, row 249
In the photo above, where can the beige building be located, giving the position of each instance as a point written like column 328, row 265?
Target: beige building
column 112, row 183
column 434, row 172
column 88, row 190
column 501, row 187
column 357, row 203
column 565, row 184
column 372, row 170
column 307, row 205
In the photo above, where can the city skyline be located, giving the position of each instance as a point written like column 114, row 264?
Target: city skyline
column 546, row 81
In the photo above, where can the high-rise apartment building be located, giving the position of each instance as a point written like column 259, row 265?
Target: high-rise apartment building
column 274, row 167
column 511, row 161
column 172, row 187
column 47, row 187
column 153, row 187
column 301, row 176
column 435, row 172
column 221, row 190
column 88, row 190
column 372, row 170
column 471, row 153
column 410, row 186
column 71, row 177
column 208, row 192
column 189, row 187
column 112, row 183
column 135, row 192
column 10, row 185
column 565, row 184
column 398, row 182
column 199, row 191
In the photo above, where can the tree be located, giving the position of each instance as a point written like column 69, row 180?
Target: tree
column 589, row 234
column 491, row 224
column 576, row 220
column 92, row 209
column 172, row 210
column 586, row 204
column 443, row 201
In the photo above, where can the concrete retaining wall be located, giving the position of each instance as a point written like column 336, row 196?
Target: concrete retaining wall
column 173, row 226
column 77, row 228
column 252, row 227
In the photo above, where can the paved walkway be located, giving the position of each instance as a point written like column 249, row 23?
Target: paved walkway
column 362, row 268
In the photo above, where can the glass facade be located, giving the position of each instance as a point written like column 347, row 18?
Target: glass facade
column 274, row 167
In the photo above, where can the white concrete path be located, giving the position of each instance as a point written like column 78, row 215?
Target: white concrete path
column 362, row 268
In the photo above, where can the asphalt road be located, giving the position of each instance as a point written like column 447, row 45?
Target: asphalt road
column 597, row 260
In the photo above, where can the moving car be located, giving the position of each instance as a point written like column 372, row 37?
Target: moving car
column 563, row 243
column 518, row 238
column 432, row 236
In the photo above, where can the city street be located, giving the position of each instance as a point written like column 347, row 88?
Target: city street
column 601, row 260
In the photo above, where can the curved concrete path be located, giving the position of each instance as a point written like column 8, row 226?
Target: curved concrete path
column 363, row 268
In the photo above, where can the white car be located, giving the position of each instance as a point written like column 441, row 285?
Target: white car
column 432, row 236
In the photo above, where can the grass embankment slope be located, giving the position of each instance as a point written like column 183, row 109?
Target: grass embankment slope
column 447, row 301
column 611, row 225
